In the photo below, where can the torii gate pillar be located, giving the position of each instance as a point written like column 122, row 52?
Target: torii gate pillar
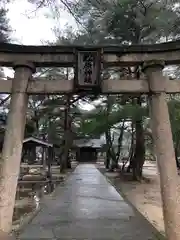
column 13, row 141
column 164, row 149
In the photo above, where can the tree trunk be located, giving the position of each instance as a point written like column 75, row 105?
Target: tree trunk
column 65, row 163
column 120, row 141
column 139, row 155
column 114, row 163
column 176, row 149
column 131, row 151
column 108, row 135
column 107, row 150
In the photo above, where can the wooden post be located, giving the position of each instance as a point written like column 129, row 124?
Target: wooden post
column 164, row 148
column 13, row 141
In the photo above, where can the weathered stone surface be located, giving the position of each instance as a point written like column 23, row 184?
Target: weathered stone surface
column 12, row 146
column 6, row 236
column 64, row 56
column 87, row 207
column 164, row 151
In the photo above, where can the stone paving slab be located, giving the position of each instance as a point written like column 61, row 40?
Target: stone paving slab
column 87, row 207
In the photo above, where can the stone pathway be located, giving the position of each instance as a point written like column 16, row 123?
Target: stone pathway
column 87, row 207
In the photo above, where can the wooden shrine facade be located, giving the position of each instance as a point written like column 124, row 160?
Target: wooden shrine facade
column 88, row 63
column 86, row 154
column 86, row 150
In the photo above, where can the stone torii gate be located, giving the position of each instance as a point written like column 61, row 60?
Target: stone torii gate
column 152, row 58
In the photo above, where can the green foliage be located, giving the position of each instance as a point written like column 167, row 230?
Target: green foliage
column 146, row 21
column 97, row 124
column 4, row 26
column 174, row 111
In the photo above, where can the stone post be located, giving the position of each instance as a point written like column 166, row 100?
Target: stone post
column 13, row 141
column 164, row 149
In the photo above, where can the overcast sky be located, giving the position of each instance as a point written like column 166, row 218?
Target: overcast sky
column 33, row 27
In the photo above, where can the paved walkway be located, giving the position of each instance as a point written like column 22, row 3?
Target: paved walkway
column 87, row 207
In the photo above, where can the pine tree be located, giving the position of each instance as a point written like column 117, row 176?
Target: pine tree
column 5, row 29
